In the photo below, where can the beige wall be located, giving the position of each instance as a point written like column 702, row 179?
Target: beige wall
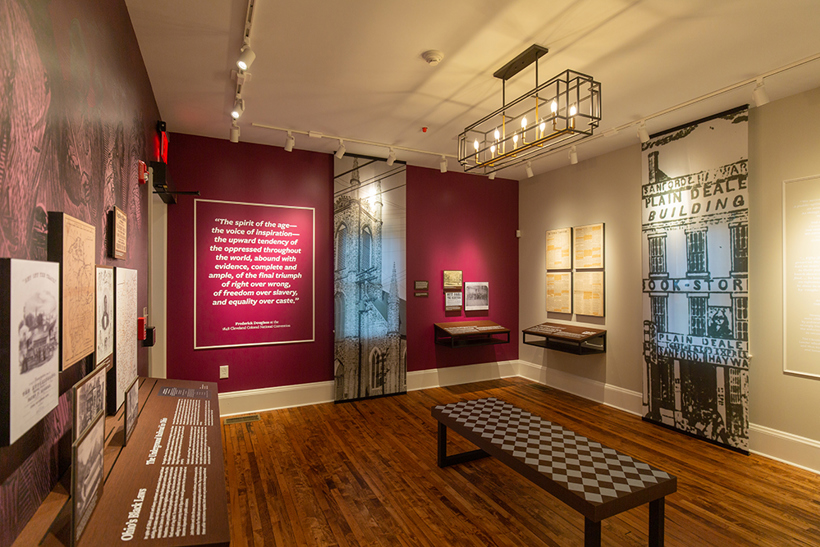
column 784, row 143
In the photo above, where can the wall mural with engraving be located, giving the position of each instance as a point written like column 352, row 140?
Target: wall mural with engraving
column 695, row 279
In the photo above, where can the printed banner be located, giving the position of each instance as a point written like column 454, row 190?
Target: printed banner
column 254, row 274
column 695, row 279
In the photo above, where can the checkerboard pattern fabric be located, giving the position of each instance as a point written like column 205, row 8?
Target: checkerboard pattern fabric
column 595, row 472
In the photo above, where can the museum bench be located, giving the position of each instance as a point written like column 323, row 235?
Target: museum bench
column 567, row 338
column 596, row 481
column 460, row 334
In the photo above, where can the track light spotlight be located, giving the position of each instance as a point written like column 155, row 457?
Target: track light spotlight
column 529, row 169
column 234, row 132
column 246, row 58
column 238, row 108
column 492, row 176
column 643, row 134
column 442, row 165
column 391, row 157
column 289, row 142
column 573, row 155
column 759, row 95
column 341, row 151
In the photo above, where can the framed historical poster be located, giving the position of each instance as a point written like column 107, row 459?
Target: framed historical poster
column 559, row 249
column 452, row 279
column 452, row 300
column 29, row 340
column 125, row 337
column 559, row 292
column 476, row 296
column 105, row 316
column 72, row 243
column 89, row 400
column 132, row 408
column 86, row 476
column 588, row 294
column 119, row 233
column 421, row 285
column 588, row 246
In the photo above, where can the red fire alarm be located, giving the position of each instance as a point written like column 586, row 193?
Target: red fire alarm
column 142, row 172
column 141, row 328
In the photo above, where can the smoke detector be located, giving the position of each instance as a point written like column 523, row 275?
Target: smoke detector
column 432, row 56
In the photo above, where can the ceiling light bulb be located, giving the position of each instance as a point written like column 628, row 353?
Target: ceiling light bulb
column 289, row 142
column 391, row 157
column 515, row 138
column 497, row 135
column 443, row 164
column 238, row 108
column 573, row 155
column 554, row 107
column 246, row 58
column 475, row 145
column 572, row 110
column 524, row 122
column 342, row 149
column 643, row 134
column 529, row 170
column 542, row 126
column 492, row 149
column 234, row 132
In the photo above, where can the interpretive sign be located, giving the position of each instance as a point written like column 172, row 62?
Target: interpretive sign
column 559, row 247
column 588, row 294
column 119, row 239
column 254, row 274
column 125, row 337
column 105, row 316
column 89, row 400
column 559, row 292
column 453, row 300
column 588, row 245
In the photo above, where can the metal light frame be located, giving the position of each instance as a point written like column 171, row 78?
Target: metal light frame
column 500, row 140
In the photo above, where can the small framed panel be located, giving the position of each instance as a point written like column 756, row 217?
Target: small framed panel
column 119, row 233
column 422, row 294
column 421, row 285
column 89, row 400
column 559, row 249
column 476, row 295
column 132, row 408
column 452, row 279
column 588, row 294
column 86, row 476
column 559, row 292
column 453, row 300
column 588, row 246
column 104, row 317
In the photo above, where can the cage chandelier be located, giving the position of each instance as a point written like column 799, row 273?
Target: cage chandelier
column 563, row 110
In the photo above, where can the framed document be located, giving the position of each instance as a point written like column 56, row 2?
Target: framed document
column 452, row 300
column 125, row 337
column 559, row 292
column 476, row 295
column 89, row 400
column 132, row 408
column 86, row 476
column 29, row 341
column 119, row 233
column 588, row 294
column 452, row 279
column 588, row 246
column 72, row 243
column 421, row 285
column 105, row 316
column 559, row 249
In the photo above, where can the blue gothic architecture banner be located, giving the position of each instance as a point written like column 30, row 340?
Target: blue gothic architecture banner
column 695, row 279
column 369, row 219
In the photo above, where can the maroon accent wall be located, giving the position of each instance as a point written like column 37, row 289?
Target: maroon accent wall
column 249, row 173
column 462, row 222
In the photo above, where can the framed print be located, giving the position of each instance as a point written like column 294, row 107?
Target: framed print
column 559, row 292
column 452, row 279
column 588, row 294
column 421, row 285
column 476, row 295
column 125, row 337
column 89, row 400
column 452, row 300
column 104, row 316
column 588, row 246
column 72, row 243
column 559, row 249
column 86, row 476
column 132, row 408
column 119, row 233
column 29, row 342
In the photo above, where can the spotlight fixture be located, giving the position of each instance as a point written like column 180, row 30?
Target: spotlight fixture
column 553, row 114
column 246, row 58
column 492, row 176
column 442, row 165
column 238, row 108
column 289, row 142
column 234, row 132
column 529, row 169
column 573, row 155
column 759, row 95
column 391, row 157
column 341, row 151
column 643, row 134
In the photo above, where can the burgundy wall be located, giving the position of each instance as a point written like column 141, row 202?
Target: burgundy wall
column 247, row 173
column 462, row 222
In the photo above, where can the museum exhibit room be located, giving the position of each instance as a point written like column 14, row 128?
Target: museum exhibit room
column 433, row 273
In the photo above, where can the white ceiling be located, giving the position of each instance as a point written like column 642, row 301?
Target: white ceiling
column 354, row 68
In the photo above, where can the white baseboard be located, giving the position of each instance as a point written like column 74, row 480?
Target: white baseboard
column 785, row 447
column 272, row 398
column 452, row 376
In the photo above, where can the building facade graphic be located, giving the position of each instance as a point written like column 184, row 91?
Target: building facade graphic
column 370, row 336
column 695, row 280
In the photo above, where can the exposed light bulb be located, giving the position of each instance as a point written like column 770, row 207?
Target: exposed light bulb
column 572, row 110
column 542, row 127
column 238, row 108
column 492, row 150
column 554, row 107
column 524, row 122
column 497, row 135
column 475, row 145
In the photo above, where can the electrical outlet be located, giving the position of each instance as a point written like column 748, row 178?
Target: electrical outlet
column 223, row 372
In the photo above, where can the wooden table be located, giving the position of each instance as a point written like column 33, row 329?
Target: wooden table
column 567, row 338
column 459, row 334
column 596, row 481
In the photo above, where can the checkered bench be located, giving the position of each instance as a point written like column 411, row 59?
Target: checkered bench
column 596, row 481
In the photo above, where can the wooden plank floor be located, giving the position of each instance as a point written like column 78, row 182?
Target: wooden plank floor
column 365, row 473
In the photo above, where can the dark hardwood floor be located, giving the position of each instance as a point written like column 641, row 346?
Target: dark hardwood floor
column 365, row 473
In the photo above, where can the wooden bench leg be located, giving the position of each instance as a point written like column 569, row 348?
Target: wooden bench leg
column 592, row 533
column 444, row 460
column 656, row 523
